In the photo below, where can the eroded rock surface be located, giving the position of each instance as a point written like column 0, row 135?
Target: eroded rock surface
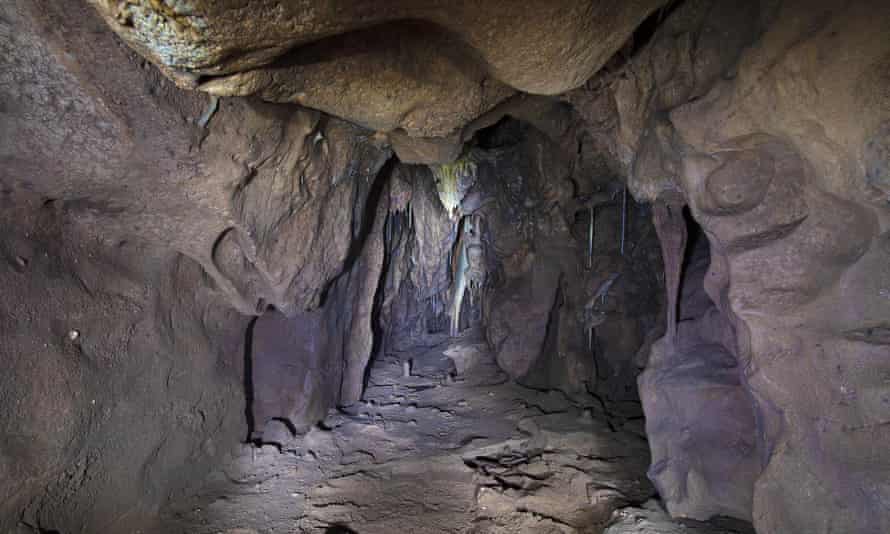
column 701, row 420
column 794, row 259
column 141, row 227
column 652, row 519
column 411, row 65
column 103, row 344
column 435, row 452
column 792, row 204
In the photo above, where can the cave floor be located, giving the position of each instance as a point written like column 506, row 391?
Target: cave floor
column 442, row 452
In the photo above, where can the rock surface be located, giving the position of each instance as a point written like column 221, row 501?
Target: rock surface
column 134, row 230
column 103, row 344
column 427, row 454
column 701, row 421
column 813, row 319
column 651, row 518
column 779, row 166
column 409, row 65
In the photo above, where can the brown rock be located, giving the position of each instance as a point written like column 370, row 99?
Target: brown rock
column 408, row 64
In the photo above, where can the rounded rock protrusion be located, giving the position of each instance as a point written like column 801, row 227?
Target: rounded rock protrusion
column 739, row 184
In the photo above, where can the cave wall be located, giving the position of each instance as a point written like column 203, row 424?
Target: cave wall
column 151, row 223
column 561, row 315
column 701, row 421
column 779, row 156
column 121, row 365
column 305, row 364
column 797, row 207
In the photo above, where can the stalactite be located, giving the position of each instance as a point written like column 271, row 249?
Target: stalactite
column 623, row 217
column 594, row 317
column 211, row 108
column 667, row 215
column 603, row 291
column 590, row 238
column 468, row 267
column 453, row 180
column 459, row 283
column 592, row 203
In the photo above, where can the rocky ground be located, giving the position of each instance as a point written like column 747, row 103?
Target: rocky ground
column 454, row 447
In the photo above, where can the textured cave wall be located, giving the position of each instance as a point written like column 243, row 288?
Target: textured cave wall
column 297, row 202
column 701, row 423
column 797, row 205
column 780, row 157
column 301, row 366
column 235, row 195
column 154, row 223
column 561, row 315
column 120, row 367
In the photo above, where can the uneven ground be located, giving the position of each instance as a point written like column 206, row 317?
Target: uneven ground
column 442, row 451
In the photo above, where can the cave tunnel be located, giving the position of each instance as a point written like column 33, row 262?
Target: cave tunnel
column 553, row 266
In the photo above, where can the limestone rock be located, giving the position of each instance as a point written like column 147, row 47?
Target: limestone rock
column 789, row 200
column 414, row 65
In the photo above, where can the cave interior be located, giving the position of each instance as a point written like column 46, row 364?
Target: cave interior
column 553, row 266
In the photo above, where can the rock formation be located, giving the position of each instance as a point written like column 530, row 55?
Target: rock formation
column 776, row 164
